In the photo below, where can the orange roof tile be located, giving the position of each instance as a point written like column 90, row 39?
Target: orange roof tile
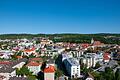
column 50, row 69
column 19, row 57
column 33, row 49
column 5, row 62
column 97, row 43
column 106, row 56
column 36, row 59
column 29, row 50
column 32, row 63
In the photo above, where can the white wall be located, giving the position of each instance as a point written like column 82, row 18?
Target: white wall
column 8, row 75
column 75, row 70
column 72, row 70
column 19, row 65
column 48, row 76
column 34, row 69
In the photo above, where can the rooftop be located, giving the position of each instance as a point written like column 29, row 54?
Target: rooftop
column 6, row 66
column 49, row 69
column 32, row 63
column 6, row 69
column 73, row 61
column 18, row 78
column 36, row 59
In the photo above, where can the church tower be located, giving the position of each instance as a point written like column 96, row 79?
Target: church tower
column 92, row 41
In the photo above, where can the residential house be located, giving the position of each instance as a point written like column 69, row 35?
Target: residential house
column 77, row 53
column 39, row 60
column 8, row 68
column 29, row 51
column 49, row 73
column 45, row 41
column 34, row 67
column 106, row 57
column 5, row 54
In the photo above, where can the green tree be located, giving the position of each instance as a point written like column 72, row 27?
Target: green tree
column 85, row 69
column 19, row 53
column 43, row 66
column 18, row 72
column 58, row 73
column 96, row 75
column 31, row 56
column 14, row 57
column 117, row 75
column 55, row 57
column 108, row 74
column 97, row 65
column 32, row 78
column 25, row 71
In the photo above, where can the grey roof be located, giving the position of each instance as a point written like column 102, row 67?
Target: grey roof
column 50, row 61
column 18, row 61
column 7, row 68
column 18, row 78
column 73, row 61
column 61, row 78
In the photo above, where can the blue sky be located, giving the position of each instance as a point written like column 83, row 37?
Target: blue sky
column 59, row 16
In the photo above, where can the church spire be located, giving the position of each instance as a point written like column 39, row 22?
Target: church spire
column 92, row 41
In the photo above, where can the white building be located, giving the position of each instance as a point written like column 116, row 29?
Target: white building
column 25, row 44
column 49, row 73
column 8, row 68
column 90, row 59
column 5, row 54
column 9, row 73
column 34, row 67
column 72, row 67
column 19, row 65
column 66, row 56
column 77, row 53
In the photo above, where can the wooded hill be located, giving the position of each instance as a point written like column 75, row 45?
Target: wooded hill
column 77, row 38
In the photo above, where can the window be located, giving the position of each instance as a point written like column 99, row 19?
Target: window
column 10, row 75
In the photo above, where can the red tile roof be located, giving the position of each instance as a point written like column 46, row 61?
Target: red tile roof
column 32, row 63
column 106, row 56
column 85, row 45
column 36, row 59
column 97, row 43
column 19, row 57
column 50, row 69
column 5, row 62
column 29, row 50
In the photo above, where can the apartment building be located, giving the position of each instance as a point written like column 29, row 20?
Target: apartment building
column 72, row 66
